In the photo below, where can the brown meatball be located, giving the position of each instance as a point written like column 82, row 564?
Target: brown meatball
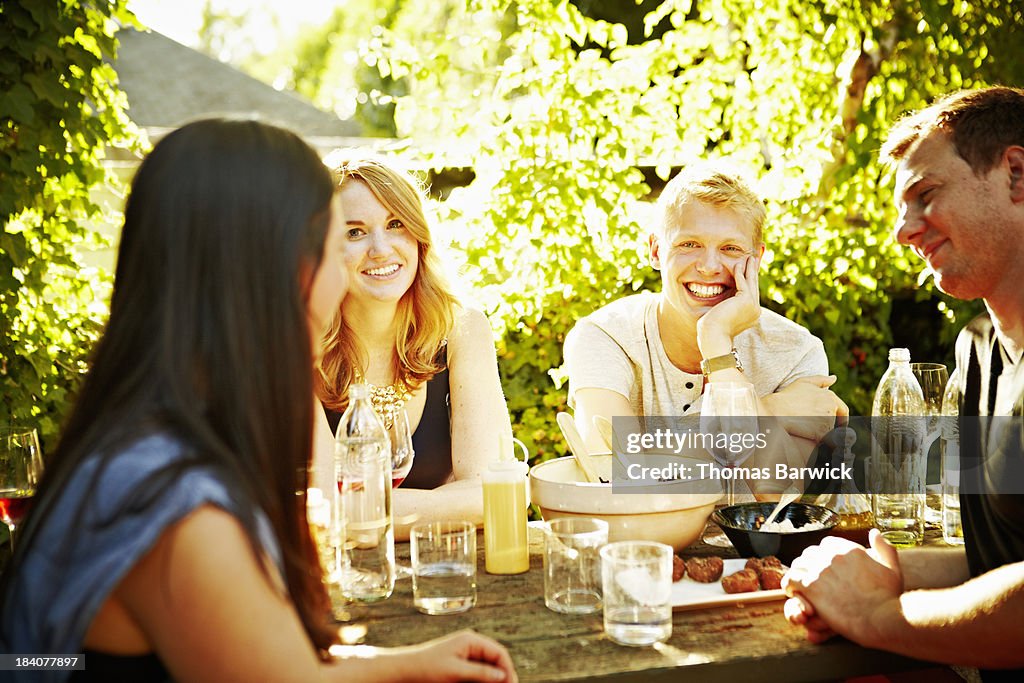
column 743, row 581
column 705, row 569
column 771, row 577
column 759, row 563
column 678, row 568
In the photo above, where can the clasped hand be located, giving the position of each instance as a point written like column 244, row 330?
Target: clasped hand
column 840, row 587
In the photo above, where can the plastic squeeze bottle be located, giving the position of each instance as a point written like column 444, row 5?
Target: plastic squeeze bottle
column 506, row 549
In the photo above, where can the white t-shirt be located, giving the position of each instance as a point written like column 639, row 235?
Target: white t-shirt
column 618, row 347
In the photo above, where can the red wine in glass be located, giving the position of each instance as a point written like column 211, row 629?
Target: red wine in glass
column 13, row 508
column 401, row 448
column 21, row 466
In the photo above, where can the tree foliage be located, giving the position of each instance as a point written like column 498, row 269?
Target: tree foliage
column 322, row 61
column 556, row 112
column 59, row 108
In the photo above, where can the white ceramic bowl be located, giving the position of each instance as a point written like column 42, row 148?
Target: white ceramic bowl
column 672, row 512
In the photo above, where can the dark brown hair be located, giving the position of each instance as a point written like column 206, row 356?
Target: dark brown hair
column 981, row 123
column 207, row 339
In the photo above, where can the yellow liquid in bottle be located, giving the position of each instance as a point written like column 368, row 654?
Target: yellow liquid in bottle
column 506, row 550
column 855, row 526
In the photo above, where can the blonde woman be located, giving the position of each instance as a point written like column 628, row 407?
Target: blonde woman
column 401, row 330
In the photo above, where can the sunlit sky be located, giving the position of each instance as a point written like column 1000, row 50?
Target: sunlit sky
column 181, row 19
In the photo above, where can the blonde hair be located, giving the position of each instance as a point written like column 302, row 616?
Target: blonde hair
column 716, row 184
column 426, row 313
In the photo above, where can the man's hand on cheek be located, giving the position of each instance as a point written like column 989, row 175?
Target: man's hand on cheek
column 725, row 320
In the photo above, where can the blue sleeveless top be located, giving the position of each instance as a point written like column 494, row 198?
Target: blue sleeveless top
column 73, row 567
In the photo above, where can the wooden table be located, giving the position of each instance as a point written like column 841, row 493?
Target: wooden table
column 752, row 642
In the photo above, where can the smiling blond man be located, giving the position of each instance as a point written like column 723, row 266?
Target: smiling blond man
column 652, row 353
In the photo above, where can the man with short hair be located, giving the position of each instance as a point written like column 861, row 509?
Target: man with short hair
column 960, row 194
column 651, row 354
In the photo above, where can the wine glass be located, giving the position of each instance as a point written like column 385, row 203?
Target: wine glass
column 21, row 466
column 402, row 452
column 933, row 378
column 730, row 409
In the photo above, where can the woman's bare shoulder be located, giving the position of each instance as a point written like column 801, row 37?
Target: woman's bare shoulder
column 471, row 330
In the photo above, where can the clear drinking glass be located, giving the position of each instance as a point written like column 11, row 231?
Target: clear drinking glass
column 637, row 591
column 21, row 467
column 443, row 566
column 319, row 515
column 572, row 564
column 933, row 378
column 952, row 525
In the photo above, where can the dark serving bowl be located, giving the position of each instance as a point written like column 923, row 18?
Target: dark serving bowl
column 740, row 523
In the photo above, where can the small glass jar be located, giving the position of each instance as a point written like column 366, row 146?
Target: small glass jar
column 854, row 508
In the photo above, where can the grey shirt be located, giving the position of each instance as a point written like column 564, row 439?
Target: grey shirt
column 619, row 347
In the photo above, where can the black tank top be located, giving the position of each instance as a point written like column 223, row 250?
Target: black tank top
column 100, row 666
column 432, row 440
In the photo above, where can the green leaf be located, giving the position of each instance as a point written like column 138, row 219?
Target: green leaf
column 50, row 314
column 14, row 247
column 17, row 104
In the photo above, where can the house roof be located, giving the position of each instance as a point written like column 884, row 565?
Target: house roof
column 168, row 84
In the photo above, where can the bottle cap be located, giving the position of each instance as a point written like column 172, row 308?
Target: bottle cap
column 899, row 354
column 507, row 460
column 516, row 466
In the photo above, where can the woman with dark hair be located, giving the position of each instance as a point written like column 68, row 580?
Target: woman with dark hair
column 169, row 538
column 401, row 330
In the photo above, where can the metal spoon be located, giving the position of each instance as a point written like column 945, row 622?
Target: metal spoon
column 785, row 500
column 578, row 447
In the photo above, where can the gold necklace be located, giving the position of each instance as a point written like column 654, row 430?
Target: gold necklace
column 388, row 401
